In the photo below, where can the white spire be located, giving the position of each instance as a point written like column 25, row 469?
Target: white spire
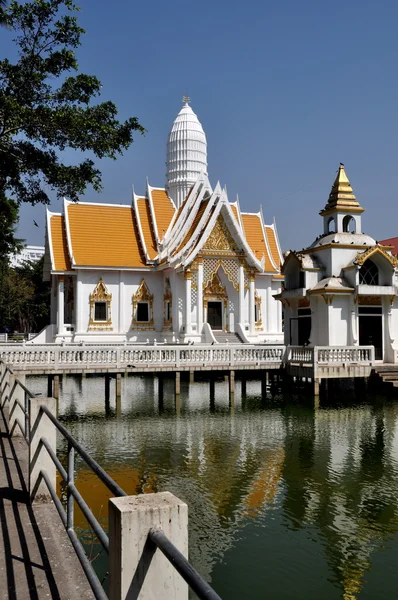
column 186, row 154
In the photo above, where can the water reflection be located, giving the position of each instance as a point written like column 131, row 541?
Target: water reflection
column 284, row 501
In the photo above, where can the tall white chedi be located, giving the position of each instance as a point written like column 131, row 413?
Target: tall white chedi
column 186, row 154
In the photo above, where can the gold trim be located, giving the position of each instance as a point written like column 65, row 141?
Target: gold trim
column 220, row 238
column 100, row 294
column 361, row 258
column 142, row 295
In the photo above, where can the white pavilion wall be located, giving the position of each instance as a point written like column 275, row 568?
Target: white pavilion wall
column 87, row 280
column 339, row 315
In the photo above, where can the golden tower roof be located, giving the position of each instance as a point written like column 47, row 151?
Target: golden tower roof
column 342, row 195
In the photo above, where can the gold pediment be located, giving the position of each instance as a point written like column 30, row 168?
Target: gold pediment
column 220, row 239
column 100, row 293
column 362, row 258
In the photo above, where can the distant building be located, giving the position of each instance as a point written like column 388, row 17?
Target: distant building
column 176, row 264
column 391, row 242
column 28, row 254
column 342, row 289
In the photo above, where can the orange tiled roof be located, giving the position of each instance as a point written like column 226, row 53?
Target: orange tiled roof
column 273, row 246
column 255, row 238
column 235, row 211
column 105, row 236
column 164, row 211
column 146, row 226
column 59, row 244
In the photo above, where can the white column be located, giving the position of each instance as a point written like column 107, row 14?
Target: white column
column 121, row 302
column 78, row 304
column 241, row 294
column 200, row 297
column 61, row 308
column 269, row 309
column 188, row 277
column 251, row 303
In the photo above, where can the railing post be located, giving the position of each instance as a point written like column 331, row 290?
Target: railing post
column 15, row 411
column 136, row 568
column 39, row 459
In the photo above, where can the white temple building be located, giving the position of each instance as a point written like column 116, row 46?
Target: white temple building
column 178, row 264
column 341, row 290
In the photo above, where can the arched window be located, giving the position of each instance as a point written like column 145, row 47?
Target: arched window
column 331, row 225
column 349, row 223
column 369, row 273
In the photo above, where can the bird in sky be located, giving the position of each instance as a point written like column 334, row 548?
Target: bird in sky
column 34, row 223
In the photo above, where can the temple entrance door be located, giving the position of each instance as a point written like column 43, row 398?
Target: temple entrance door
column 371, row 328
column 214, row 314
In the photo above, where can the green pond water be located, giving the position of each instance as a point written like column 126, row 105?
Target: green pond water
column 285, row 501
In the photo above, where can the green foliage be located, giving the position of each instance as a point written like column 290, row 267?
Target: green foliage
column 46, row 106
column 9, row 244
column 24, row 298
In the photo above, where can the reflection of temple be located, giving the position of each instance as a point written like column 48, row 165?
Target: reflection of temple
column 328, row 476
column 175, row 264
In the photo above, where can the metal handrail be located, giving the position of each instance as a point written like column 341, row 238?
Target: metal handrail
column 202, row 589
column 195, row 581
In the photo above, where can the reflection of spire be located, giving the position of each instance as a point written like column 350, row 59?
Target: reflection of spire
column 264, row 487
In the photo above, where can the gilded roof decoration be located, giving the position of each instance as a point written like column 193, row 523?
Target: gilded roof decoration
column 362, row 257
column 100, row 293
column 341, row 195
column 220, row 238
column 215, row 288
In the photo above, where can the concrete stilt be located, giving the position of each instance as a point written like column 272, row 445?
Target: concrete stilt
column 232, row 389
column 118, row 406
column 107, row 394
column 316, row 386
column 191, row 376
column 178, row 383
column 55, row 393
column 118, row 384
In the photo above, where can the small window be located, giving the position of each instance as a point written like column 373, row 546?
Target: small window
column 142, row 312
column 100, row 311
column 369, row 273
column 302, row 279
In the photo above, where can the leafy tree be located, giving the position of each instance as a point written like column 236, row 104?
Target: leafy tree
column 3, row 5
column 46, row 106
column 25, row 301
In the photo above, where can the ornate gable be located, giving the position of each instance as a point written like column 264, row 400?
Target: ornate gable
column 362, row 257
column 220, row 240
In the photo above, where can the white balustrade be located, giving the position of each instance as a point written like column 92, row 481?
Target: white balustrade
column 331, row 355
column 349, row 355
column 88, row 356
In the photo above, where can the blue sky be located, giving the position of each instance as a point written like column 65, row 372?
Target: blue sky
column 285, row 90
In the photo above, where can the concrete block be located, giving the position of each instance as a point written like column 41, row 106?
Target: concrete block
column 39, row 459
column 137, row 569
column 16, row 413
